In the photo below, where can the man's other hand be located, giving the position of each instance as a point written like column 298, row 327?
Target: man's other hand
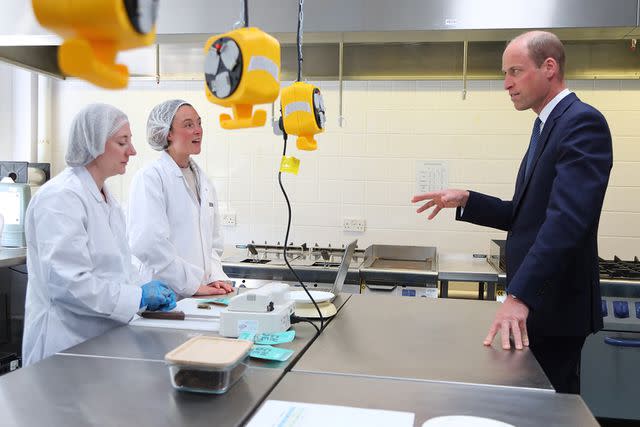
column 449, row 198
column 511, row 319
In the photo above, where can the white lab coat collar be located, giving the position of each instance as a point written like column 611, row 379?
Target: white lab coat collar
column 171, row 164
column 89, row 183
column 168, row 161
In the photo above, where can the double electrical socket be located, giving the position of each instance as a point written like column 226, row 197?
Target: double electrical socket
column 354, row 224
column 229, row 219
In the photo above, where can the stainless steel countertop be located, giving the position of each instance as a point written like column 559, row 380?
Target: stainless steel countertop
column 151, row 344
column 10, row 257
column 119, row 378
column 80, row 391
column 421, row 339
column 518, row 407
column 465, row 268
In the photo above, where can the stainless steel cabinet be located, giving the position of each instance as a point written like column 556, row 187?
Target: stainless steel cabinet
column 610, row 375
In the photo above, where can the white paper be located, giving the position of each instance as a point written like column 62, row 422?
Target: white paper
column 278, row 413
column 431, row 176
column 10, row 207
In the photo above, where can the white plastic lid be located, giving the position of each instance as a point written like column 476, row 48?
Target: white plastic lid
column 214, row 352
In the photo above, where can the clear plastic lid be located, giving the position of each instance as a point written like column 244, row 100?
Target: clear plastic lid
column 212, row 352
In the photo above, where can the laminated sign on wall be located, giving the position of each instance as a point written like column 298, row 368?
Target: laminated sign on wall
column 431, row 176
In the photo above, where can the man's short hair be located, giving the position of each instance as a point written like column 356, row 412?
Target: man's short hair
column 543, row 45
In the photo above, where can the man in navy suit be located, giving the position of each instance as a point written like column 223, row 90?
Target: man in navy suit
column 552, row 221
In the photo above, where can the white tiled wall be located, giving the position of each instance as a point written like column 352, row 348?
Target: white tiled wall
column 15, row 114
column 6, row 112
column 366, row 168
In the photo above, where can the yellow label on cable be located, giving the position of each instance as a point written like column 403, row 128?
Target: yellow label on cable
column 290, row 165
column 94, row 32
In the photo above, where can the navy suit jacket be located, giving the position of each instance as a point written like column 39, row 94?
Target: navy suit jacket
column 552, row 222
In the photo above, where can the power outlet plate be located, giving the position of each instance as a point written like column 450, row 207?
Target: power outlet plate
column 355, row 224
column 229, row 219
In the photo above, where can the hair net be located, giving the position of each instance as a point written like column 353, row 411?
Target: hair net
column 90, row 129
column 159, row 123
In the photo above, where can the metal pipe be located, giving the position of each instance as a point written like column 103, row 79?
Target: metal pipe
column 33, row 122
column 44, row 119
column 340, row 82
column 465, row 53
column 157, row 63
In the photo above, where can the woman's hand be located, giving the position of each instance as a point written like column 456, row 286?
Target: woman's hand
column 219, row 287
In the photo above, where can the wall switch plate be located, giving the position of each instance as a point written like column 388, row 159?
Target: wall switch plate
column 355, row 224
column 229, row 219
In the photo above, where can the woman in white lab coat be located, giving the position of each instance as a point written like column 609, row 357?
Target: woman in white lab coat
column 81, row 280
column 174, row 224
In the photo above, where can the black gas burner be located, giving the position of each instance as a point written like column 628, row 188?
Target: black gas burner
column 332, row 255
column 620, row 269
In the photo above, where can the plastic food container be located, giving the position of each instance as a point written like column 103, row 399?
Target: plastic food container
column 208, row 364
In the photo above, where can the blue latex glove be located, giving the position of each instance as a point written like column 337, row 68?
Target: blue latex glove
column 157, row 296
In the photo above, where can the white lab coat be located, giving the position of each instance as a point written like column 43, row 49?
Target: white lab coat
column 177, row 240
column 81, row 280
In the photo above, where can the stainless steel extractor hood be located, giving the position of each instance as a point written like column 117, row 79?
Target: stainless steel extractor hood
column 25, row 43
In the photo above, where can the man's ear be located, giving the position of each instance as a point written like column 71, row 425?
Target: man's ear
column 551, row 67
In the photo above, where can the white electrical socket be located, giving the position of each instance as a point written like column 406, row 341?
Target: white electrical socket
column 229, row 219
column 354, row 224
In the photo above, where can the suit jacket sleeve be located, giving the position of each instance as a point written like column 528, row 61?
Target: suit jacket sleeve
column 488, row 211
column 582, row 169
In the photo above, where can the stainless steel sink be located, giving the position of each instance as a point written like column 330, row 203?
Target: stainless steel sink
column 325, row 264
column 255, row 261
column 399, row 264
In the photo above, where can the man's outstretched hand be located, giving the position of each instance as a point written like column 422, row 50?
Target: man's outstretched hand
column 449, row 198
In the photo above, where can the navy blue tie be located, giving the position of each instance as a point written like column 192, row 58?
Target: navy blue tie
column 533, row 144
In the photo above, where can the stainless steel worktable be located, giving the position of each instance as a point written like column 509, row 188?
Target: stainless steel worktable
column 466, row 268
column 80, row 391
column 10, row 257
column 151, row 344
column 519, row 407
column 422, row 339
column 142, row 343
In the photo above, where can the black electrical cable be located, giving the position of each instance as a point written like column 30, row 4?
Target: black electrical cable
column 299, row 39
column 18, row 271
column 296, row 319
column 286, row 238
column 246, row 13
